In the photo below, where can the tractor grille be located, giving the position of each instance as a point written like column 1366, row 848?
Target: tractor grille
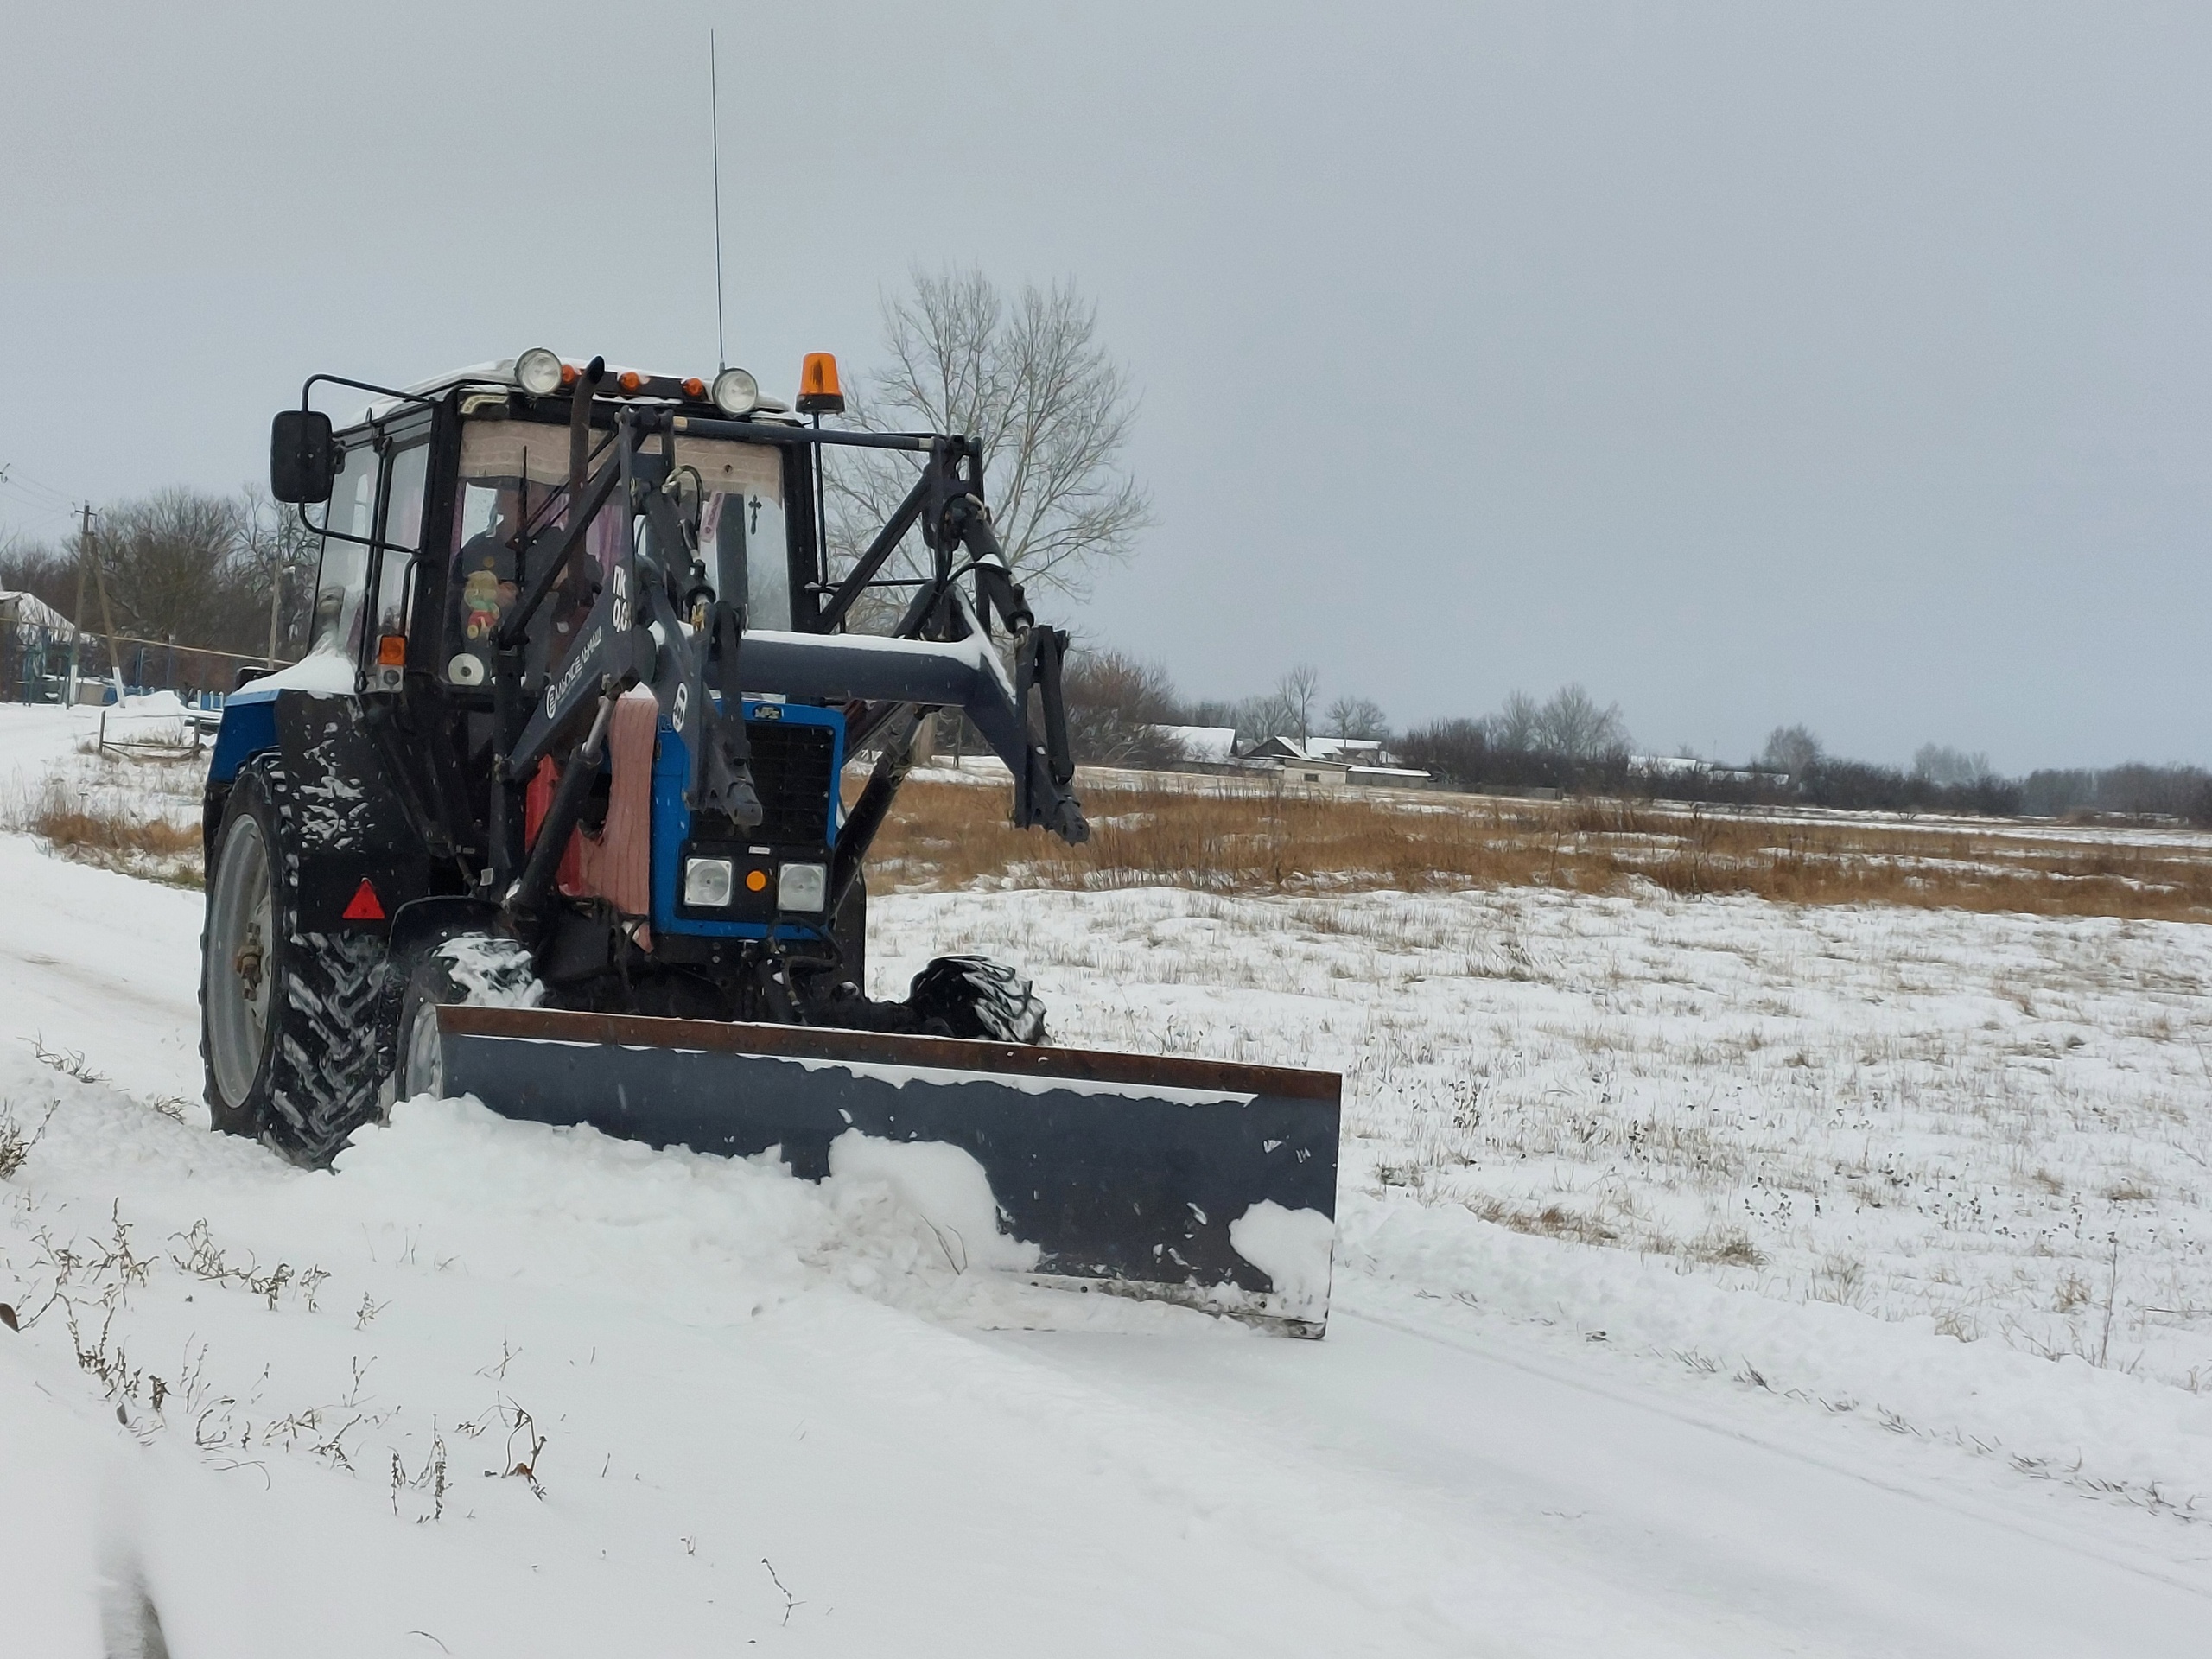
column 791, row 770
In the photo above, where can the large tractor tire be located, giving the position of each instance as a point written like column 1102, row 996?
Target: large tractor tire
column 973, row 996
column 287, row 1018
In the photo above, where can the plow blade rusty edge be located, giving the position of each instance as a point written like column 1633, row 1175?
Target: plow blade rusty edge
column 1193, row 1181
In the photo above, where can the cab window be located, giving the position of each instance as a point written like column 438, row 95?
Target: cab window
column 402, row 534
column 341, row 583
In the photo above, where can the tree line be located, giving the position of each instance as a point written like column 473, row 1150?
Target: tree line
column 1121, row 710
column 178, row 566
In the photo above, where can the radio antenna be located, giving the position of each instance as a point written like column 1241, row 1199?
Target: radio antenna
column 715, row 125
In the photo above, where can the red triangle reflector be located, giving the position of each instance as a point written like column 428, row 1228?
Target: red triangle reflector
column 366, row 906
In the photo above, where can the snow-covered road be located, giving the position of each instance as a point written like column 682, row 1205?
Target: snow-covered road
column 770, row 1415
column 1579, row 1513
column 90, row 966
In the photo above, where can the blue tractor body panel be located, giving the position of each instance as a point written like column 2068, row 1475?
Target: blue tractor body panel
column 249, row 726
column 672, row 819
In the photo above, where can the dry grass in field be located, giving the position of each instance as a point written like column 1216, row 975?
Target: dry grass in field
column 113, row 835
column 1231, row 839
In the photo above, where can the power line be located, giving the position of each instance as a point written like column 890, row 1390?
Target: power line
column 14, row 479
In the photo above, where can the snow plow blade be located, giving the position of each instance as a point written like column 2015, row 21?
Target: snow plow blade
column 1199, row 1182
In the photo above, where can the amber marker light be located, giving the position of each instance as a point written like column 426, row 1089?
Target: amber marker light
column 630, row 380
column 392, row 650
column 818, row 391
column 695, row 387
column 756, row 880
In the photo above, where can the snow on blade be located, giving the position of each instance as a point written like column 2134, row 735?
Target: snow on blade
column 1292, row 1247
column 944, row 1186
column 1028, row 1082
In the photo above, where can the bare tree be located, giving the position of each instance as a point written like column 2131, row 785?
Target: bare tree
column 1939, row 764
column 1296, row 691
column 1026, row 377
column 1458, row 750
column 1361, row 717
column 1117, row 709
column 1258, row 719
column 1791, row 749
column 30, row 566
column 1513, row 729
column 170, row 561
column 1571, row 723
column 277, row 553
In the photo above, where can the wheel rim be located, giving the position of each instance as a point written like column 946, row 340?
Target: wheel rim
column 423, row 1071
column 241, row 961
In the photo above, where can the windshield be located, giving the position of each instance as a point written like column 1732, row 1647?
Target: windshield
column 514, row 479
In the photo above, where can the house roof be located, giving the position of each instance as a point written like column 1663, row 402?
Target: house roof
column 1335, row 751
column 1202, row 742
column 29, row 611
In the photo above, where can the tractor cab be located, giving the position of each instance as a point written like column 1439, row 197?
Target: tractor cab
column 434, row 492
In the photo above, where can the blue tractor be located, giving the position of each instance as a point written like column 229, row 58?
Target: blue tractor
column 553, row 813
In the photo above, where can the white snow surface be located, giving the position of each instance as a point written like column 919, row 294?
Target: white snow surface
column 1867, row 1317
column 1291, row 1247
column 325, row 671
column 945, row 1187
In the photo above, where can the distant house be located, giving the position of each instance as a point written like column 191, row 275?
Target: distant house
column 34, row 648
column 1328, row 751
column 1337, row 760
column 26, row 613
column 1215, row 744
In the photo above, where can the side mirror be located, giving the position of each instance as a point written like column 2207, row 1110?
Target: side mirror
column 302, row 460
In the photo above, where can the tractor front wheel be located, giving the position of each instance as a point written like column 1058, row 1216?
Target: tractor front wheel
column 973, row 996
column 471, row 970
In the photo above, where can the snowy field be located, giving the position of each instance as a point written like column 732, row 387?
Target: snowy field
column 1714, row 1276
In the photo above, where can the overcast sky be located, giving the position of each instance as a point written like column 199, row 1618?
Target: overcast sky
column 1849, row 365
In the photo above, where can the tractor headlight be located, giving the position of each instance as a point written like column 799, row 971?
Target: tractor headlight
column 707, row 882
column 803, row 887
column 538, row 371
column 736, row 392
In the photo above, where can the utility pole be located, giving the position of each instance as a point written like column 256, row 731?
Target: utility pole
column 77, row 620
column 107, row 611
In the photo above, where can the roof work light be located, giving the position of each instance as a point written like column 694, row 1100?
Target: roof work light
column 538, row 371
column 818, row 391
column 735, row 392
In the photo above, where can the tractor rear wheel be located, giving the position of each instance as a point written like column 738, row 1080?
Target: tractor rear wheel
column 287, row 1018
